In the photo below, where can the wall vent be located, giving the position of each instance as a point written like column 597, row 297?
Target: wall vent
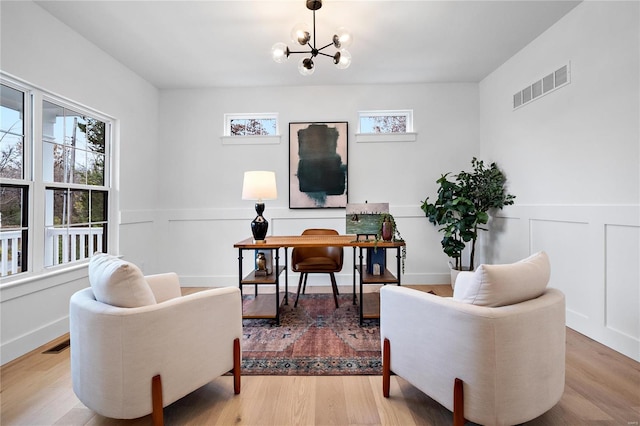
column 559, row 78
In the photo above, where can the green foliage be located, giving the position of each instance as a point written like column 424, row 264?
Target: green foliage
column 463, row 204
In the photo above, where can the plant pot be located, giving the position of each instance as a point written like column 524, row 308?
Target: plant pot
column 454, row 274
column 387, row 231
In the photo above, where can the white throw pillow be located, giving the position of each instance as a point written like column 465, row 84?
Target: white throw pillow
column 119, row 283
column 500, row 285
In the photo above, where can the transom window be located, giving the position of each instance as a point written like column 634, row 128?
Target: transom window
column 260, row 124
column 398, row 121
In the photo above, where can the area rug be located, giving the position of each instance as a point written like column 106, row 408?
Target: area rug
column 314, row 339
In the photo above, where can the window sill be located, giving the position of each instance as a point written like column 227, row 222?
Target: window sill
column 386, row 137
column 250, row 140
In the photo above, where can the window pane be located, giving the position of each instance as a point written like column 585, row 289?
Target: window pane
column 383, row 124
column 244, row 127
column 80, row 206
column 11, row 199
column 98, row 206
column 11, row 156
column 11, row 132
column 12, row 110
column 74, row 129
column 52, row 122
column 13, row 230
column 95, row 171
column 96, row 135
column 251, row 124
column 57, row 207
column 79, row 162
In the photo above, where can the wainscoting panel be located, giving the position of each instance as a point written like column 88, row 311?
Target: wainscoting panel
column 622, row 316
column 566, row 243
column 594, row 252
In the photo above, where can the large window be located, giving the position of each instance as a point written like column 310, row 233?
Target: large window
column 73, row 170
column 56, row 213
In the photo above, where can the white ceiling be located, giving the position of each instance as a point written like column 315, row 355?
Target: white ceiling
column 191, row 44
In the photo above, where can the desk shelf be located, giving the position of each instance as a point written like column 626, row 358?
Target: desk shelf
column 385, row 278
column 262, row 307
column 251, row 278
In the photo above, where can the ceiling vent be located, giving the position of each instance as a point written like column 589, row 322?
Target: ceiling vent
column 559, row 78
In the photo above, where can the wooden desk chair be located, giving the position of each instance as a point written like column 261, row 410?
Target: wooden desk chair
column 320, row 260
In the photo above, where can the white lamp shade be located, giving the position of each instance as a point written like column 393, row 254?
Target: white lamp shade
column 259, row 185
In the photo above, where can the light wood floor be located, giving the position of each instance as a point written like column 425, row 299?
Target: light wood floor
column 602, row 388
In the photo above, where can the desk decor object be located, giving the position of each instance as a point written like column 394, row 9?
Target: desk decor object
column 363, row 219
column 318, row 165
column 264, row 263
column 259, row 185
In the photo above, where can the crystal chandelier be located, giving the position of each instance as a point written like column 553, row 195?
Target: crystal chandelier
column 301, row 35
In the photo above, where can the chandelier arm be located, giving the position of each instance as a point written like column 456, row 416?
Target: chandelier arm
column 324, row 47
column 300, row 51
column 325, row 54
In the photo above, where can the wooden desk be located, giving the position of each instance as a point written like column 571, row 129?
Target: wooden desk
column 260, row 309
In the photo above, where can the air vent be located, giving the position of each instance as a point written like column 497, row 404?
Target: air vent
column 548, row 83
column 58, row 348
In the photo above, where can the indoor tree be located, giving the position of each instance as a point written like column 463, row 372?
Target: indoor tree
column 462, row 207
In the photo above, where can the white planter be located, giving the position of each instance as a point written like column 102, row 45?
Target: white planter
column 454, row 274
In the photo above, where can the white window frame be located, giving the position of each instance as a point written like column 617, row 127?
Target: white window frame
column 33, row 178
column 228, row 139
column 408, row 136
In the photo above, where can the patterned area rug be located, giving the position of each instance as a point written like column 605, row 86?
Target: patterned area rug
column 314, row 339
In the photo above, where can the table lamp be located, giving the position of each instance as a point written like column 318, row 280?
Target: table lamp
column 259, row 185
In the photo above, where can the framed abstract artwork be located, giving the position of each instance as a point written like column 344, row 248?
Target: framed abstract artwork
column 318, row 165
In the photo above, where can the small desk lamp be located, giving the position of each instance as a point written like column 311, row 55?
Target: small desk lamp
column 259, row 185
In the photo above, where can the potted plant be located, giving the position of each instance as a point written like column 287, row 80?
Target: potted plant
column 462, row 208
column 388, row 231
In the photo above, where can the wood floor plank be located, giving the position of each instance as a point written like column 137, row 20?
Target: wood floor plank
column 602, row 388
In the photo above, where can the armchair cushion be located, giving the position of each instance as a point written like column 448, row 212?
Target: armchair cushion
column 118, row 283
column 501, row 285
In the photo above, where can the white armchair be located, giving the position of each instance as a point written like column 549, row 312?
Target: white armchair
column 127, row 362
column 493, row 354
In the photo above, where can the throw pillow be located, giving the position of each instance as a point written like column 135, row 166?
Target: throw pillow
column 119, row 283
column 500, row 285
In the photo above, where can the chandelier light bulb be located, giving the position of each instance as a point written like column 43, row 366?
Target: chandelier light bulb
column 280, row 52
column 342, row 38
column 306, row 66
column 300, row 34
column 342, row 59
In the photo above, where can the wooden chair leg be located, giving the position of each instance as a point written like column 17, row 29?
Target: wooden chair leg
column 386, row 367
column 157, row 414
column 302, row 274
column 458, row 403
column 237, row 363
column 334, row 286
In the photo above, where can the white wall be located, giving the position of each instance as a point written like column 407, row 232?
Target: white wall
column 202, row 214
column 572, row 158
column 36, row 48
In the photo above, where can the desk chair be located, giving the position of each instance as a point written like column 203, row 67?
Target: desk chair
column 317, row 260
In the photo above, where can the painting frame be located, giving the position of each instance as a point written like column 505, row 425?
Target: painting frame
column 318, row 164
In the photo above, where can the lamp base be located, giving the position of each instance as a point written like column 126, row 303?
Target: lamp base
column 259, row 225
